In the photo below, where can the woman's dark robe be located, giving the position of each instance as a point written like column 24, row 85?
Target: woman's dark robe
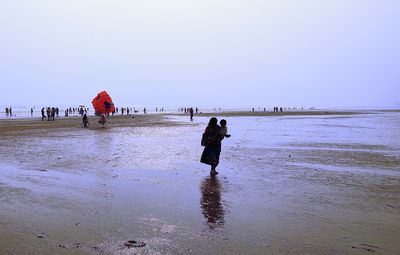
column 212, row 150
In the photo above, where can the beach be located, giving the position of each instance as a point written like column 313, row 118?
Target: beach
column 312, row 182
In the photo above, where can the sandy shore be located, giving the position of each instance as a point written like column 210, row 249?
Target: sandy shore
column 22, row 124
column 290, row 184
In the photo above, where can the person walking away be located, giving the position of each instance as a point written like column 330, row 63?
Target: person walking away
column 211, row 140
column 85, row 121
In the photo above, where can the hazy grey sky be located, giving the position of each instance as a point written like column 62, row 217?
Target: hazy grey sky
column 227, row 53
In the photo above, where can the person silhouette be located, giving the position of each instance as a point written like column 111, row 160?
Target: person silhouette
column 210, row 203
column 85, row 120
column 42, row 112
column 211, row 140
column 191, row 113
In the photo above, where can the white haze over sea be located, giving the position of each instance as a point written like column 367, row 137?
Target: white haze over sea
column 229, row 54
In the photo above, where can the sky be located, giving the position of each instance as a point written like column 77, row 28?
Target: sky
column 223, row 53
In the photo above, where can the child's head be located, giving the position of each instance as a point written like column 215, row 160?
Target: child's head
column 222, row 123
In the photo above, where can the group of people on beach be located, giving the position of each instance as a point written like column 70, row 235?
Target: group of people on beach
column 9, row 111
column 50, row 113
column 189, row 110
column 212, row 142
column 72, row 110
column 123, row 110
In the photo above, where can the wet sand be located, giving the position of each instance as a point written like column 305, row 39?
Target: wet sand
column 287, row 185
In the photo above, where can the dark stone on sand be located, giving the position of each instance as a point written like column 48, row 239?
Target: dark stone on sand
column 135, row 244
column 366, row 247
column 40, row 236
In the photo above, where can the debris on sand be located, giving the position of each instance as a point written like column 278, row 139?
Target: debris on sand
column 42, row 235
column 366, row 247
column 392, row 206
column 134, row 244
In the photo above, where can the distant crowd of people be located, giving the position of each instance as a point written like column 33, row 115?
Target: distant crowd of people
column 130, row 110
column 188, row 110
column 80, row 110
column 50, row 113
column 281, row 109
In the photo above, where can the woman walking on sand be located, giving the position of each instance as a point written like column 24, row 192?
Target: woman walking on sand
column 211, row 140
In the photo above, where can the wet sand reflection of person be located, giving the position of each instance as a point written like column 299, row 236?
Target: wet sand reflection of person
column 210, row 202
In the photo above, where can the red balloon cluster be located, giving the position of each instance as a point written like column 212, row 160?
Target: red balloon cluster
column 102, row 103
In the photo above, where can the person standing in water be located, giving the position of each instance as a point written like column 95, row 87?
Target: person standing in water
column 191, row 113
column 211, row 140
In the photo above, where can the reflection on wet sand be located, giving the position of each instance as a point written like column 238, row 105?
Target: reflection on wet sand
column 210, row 202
